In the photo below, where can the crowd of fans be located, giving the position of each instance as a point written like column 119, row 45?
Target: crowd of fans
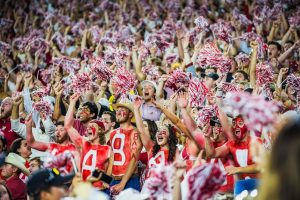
column 149, row 99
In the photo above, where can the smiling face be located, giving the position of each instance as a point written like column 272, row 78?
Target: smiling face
column 123, row 114
column 239, row 128
column 148, row 91
column 84, row 114
column 162, row 136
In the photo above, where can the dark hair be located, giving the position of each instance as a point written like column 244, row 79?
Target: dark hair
column 244, row 74
column 92, row 107
column 16, row 145
column 4, row 142
column 112, row 116
column 276, row 44
column 282, row 180
column 172, row 142
column 152, row 127
column 59, row 123
column 8, row 192
column 37, row 159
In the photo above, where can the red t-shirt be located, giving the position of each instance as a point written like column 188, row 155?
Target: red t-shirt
column 122, row 148
column 5, row 130
column 241, row 154
column 57, row 149
column 79, row 127
column 93, row 156
column 161, row 158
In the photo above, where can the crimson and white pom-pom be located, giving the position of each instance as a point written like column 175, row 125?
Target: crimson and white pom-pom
column 5, row 48
column 211, row 56
column 294, row 21
column 242, row 58
column 39, row 44
column 222, row 30
column 204, row 181
column 229, row 87
column 46, row 75
column 158, row 185
column 201, row 23
column 151, row 72
column 43, row 107
column 59, row 161
column 41, row 92
column 123, row 81
column 205, row 114
column 197, row 92
column 102, row 71
column 60, row 40
column 256, row 111
column 264, row 73
column 177, row 79
column 171, row 58
column 96, row 33
column 26, row 67
column 294, row 82
column 66, row 63
column 78, row 27
column 81, row 83
column 16, row 94
column 144, row 51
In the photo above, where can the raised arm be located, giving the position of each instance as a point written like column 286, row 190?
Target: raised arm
column 41, row 146
column 253, row 61
column 160, row 87
column 145, row 136
column 283, row 56
column 69, row 119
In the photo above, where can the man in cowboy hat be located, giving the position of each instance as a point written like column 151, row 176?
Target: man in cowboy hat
column 126, row 147
column 14, row 165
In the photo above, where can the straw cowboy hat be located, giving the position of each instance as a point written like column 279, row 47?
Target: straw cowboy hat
column 17, row 161
column 124, row 103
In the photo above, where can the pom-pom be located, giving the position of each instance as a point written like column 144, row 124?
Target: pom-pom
column 197, row 92
column 222, row 30
column 294, row 21
column 26, row 67
column 256, row 111
column 204, row 181
column 171, row 58
column 205, row 114
column 151, row 72
column 211, row 56
column 177, row 79
column 78, row 28
column 158, row 185
column 68, row 64
column 123, row 81
column 102, row 71
column 60, row 161
column 46, row 75
column 41, row 92
column 144, row 51
column 39, row 45
column 43, row 107
column 96, row 34
column 6, row 23
column 264, row 73
column 242, row 58
column 5, row 48
column 201, row 23
column 294, row 82
column 81, row 83
column 229, row 87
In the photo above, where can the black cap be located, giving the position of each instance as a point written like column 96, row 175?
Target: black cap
column 46, row 178
column 214, row 76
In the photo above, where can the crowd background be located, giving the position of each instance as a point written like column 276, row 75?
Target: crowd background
column 176, row 99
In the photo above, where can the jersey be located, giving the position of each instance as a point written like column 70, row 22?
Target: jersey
column 241, row 154
column 161, row 158
column 56, row 149
column 93, row 156
column 23, row 176
column 122, row 149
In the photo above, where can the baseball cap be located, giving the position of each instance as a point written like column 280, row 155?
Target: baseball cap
column 214, row 76
column 149, row 82
column 46, row 178
column 99, row 123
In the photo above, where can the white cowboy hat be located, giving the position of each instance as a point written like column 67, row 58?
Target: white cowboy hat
column 17, row 161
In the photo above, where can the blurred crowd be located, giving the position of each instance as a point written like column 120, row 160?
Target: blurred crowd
column 148, row 99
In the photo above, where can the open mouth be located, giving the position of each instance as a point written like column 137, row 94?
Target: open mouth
column 146, row 94
column 160, row 138
column 238, row 133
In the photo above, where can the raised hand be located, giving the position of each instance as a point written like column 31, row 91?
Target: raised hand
column 74, row 98
column 58, row 89
column 28, row 120
column 137, row 102
column 17, row 100
column 207, row 130
column 182, row 100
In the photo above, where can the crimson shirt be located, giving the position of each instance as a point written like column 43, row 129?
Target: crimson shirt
column 5, row 130
column 79, row 127
column 17, row 188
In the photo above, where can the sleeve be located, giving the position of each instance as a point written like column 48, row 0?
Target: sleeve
column 28, row 107
column 49, row 127
column 18, row 127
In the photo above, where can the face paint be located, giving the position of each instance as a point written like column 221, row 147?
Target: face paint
column 93, row 129
column 239, row 128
